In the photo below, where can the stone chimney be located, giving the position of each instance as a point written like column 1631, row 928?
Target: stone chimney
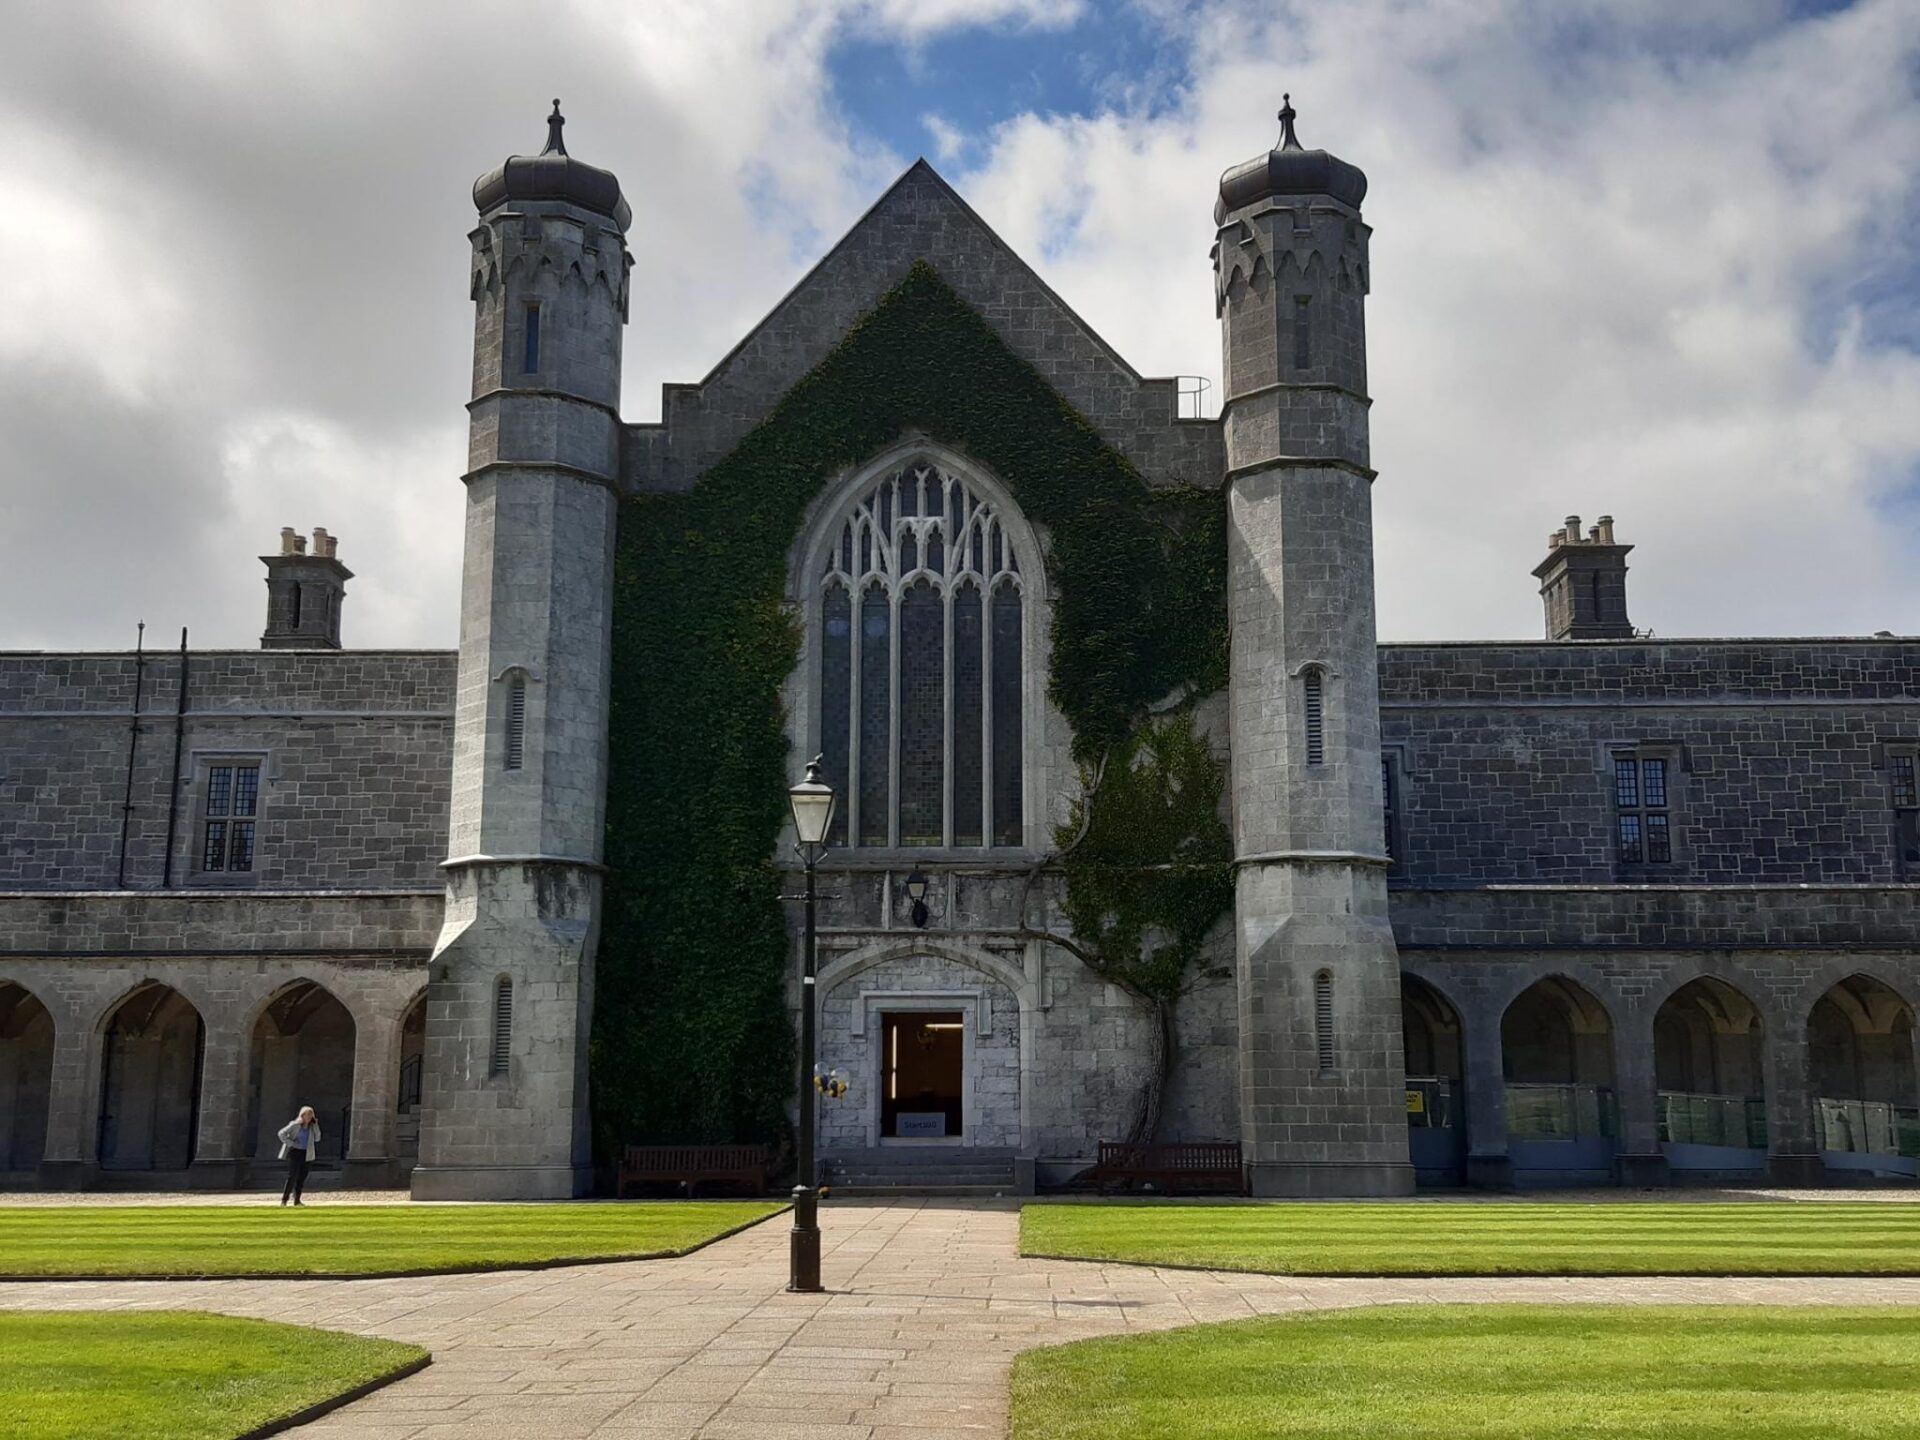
column 1583, row 581
column 305, row 589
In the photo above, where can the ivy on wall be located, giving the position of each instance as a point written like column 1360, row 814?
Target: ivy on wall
column 691, row 1038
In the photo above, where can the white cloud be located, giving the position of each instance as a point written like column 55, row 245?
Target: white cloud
column 948, row 140
column 1617, row 264
column 1606, row 278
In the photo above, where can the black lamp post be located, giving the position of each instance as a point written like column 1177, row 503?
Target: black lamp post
column 812, row 803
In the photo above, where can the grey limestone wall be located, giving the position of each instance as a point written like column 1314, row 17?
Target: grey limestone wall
column 1779, row 750
column 353, row 748
column 1061, row 1063
column 920, row 218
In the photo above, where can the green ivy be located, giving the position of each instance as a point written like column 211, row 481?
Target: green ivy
column 691, row 1040
column 1147, row 859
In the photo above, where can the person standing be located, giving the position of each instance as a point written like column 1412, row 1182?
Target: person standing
column 299, row 1142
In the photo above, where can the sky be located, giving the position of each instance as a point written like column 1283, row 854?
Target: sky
column 1655, row 260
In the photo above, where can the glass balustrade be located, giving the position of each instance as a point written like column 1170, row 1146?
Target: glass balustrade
column 1867, row 1127
column 1690, row 1118
column 1560, row 1112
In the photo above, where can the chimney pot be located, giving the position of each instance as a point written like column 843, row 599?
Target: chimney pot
column 1606, row 529
column 286, row 539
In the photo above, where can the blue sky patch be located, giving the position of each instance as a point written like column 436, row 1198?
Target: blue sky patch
column 972, row 79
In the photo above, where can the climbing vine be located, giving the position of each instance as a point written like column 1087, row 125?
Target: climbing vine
column 691, row 1040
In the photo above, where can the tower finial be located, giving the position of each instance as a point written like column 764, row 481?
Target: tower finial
column 555, row 145
column 1288, row 140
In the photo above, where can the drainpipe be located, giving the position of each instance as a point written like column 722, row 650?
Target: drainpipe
column 133, row 741
column 173, row 791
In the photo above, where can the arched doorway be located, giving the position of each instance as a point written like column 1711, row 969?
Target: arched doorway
column 1556, row 1052
column 302, row 1054
column 26, row 1077
column 413, row 1046
column 1436, row 1121
column 1865, row 1089
column 1708, row 1048
column 153, row 1044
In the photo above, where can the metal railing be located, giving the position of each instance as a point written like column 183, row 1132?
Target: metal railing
column 1867, row 1127
column 1193, row 397
column 1689, row 1118
column 1560, row 1112
column 1433, row 1102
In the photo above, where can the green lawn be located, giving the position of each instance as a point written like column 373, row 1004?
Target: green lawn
column 1488, row 1372
column 171, row 1375
column 1436, row 1238
column 352, row 1239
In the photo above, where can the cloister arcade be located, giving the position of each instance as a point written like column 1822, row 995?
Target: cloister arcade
column 184, row 1073
column 1560, row 1082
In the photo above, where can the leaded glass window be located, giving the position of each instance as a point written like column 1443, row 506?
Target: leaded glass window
column 229, row 815
column 921, row 701
column 1643, row 819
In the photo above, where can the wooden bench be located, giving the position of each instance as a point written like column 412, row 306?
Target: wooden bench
column 689, row 1165
column 1205, row 1165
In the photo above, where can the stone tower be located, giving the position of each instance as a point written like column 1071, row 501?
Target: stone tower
column 1583, row 583
column 510, row 992
column 1322, row 1077
column 305, row 590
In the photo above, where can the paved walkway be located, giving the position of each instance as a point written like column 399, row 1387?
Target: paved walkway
column 927, row 1308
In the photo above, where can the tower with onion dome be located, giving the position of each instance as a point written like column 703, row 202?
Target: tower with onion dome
column 510, row 994
column 1322, row 1079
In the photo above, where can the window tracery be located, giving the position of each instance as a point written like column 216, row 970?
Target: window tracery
column 922, row 665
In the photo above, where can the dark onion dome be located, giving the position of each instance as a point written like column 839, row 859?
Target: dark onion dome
column 553, row 175
column 1290, row 170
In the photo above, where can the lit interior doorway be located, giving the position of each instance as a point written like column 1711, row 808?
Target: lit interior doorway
column 922, row 1065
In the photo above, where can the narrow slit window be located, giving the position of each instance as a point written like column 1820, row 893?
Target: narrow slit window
column 1906, row 809
column 1313, row 688
column 502, row 1026
column 530, row 361
column 1389, row 806
column 1302, row 333
column 517, row 723
column 1323, row 1019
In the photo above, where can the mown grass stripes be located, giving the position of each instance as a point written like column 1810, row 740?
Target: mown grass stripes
column 1521, row 1238
column 1488, row 1372
column 351, row 1239
column 176, row 1375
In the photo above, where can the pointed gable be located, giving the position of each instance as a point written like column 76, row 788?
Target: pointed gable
column 921, row 218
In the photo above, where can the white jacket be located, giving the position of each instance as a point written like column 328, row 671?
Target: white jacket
column 291, row 1129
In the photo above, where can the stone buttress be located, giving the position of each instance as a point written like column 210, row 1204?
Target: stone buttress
column 1321, row 1072
column 510, row 994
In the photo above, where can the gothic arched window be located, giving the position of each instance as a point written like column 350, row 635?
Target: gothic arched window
column 921, row 666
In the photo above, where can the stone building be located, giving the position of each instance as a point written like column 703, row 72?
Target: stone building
column 1591, row 907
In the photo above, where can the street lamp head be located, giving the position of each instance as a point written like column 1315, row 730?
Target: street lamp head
column 812, row 802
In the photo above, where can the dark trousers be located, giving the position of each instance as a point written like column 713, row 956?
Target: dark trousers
column 296, row 1176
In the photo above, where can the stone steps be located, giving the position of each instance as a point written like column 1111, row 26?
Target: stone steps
column 922, row 1172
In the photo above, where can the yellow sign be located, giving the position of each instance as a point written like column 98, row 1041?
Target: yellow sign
column 1416, row 1102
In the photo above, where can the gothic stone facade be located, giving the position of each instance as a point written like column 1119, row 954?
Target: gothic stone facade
column 1592, row 907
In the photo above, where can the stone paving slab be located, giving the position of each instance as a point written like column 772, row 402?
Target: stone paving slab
column 928, row 1306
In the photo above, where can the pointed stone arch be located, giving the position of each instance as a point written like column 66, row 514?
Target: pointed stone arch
column 152, row 1056
column 26, row 1077
column 300, row 1051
